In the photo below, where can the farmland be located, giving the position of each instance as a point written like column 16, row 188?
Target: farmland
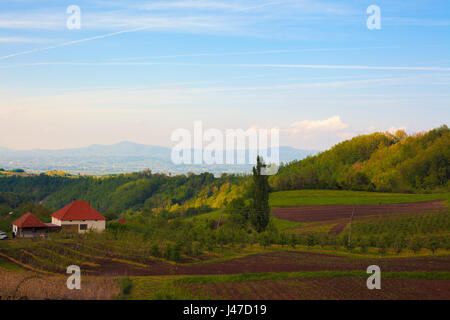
column 304, row 253
column 293, row 198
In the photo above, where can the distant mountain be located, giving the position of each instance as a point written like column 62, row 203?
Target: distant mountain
column 118, row 158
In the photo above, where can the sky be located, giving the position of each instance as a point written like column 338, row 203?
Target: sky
column 138, row 70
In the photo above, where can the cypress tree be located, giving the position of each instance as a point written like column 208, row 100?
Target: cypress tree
column 259, row 215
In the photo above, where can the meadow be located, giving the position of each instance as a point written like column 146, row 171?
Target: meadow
column 340, row 197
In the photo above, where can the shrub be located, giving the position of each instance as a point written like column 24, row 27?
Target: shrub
column 125, row 287
column 311, row 240
column 415, row 244
column 364, row 244
column 433, row 244
column 323, row 240
column 382, row 245
column 265, row 240
column 399, row 244
column 283, row 239
column 293, row 240
column 154, row 250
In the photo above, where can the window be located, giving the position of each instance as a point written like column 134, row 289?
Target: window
column 83, row 226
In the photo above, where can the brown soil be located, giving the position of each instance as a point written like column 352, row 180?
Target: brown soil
column 334, row 212
column 283, row 261
column 287, row 261
column 326, row 288
column 338, row 228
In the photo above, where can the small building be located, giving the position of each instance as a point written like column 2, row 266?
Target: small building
column 79, row 217
column 121, row 220
column 28, row 226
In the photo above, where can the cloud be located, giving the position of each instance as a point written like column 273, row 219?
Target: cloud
column 22, row 40
column 346, row 135
column 69, row 43
column 202, row 5
column 341, row 67
column 328, row 125
column 393, row 130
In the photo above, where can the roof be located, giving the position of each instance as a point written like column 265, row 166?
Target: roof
column 121, row 220
column 51, row 225
column 77, row 210
column 28, row 220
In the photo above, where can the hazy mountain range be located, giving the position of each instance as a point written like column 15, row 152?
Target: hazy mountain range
column 118, row 158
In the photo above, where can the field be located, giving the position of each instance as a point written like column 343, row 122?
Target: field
column 302, row 266
column 334, row 197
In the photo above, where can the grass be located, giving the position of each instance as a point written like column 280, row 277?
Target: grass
column 161, row 288
column 334, row 197
column 10, row 266
column 126, row 285
column 244, row 277
column 177, row 287
column 213, row 215
column 282, row 224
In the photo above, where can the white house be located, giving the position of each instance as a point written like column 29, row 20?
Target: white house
column 79, row 217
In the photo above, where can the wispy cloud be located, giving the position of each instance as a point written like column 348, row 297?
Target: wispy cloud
column 416, row 22
column 205, row 5
column 293, row 66
column 69, row 43
column 22, row 40
column 346, row 67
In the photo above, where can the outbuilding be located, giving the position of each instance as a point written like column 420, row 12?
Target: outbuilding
column 28, row 226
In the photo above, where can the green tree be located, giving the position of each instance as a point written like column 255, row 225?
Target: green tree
column 293, row 240
column 259, row 214
column 399, row 244
column 415, row 244
column 433, row 244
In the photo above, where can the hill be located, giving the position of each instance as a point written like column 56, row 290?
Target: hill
column 121, row 157
column 376, row 162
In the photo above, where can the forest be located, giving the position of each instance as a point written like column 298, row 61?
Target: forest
column 377, row 162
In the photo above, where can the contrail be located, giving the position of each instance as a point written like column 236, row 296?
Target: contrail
column 294, row 66
column 347, row 67
column 262, row 52
column 64, row 44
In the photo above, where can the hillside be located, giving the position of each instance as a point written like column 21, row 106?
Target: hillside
column 376, row 162
column 124, row 192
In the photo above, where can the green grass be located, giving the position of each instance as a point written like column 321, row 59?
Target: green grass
column 282, row 224
column 333, row 197
column 244, row 277
column 161, row 288
column 215, row 215
column 9, row 266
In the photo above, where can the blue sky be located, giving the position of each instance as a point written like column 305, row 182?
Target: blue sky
column 137, row 70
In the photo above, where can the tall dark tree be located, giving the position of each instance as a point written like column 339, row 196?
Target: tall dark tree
column 259, row 215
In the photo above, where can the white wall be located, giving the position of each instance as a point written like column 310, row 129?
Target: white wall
column 96, row 225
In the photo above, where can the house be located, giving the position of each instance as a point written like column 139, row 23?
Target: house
column 79, row 217
column 28, row 226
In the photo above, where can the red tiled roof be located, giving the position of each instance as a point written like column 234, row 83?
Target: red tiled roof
column 78, row 210
column 121, row 220
column 28, row 221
